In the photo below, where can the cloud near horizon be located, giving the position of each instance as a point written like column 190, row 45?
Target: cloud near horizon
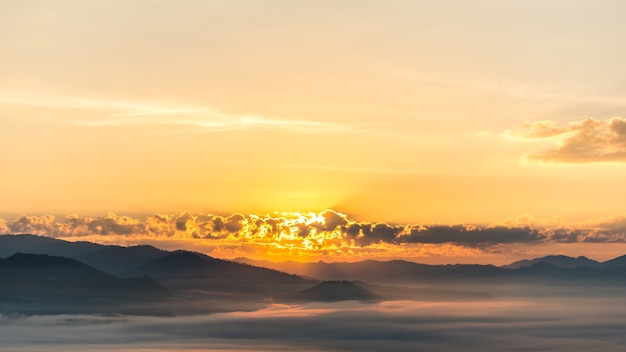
column 328, row 232
column 585, row 141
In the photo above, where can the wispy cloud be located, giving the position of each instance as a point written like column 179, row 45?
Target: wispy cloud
column 351, row 169
column 201, row 118
column 586, row 141
column 516, row 89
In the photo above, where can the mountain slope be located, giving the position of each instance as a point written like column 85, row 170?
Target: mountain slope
column 11, row 244
column 561, row 261
column 388, row 272
column 36, row 282
column 110, row 259
column 333, row 291
column 117, row 260
column 619, row 262
column 187, row 271
column 398, row 272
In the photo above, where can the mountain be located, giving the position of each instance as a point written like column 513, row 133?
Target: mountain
column 189, row 272
column 11, row 244
column 199, row 282
column 619, row 262
column 110, row 259
column 42, row 283
column 543, row 270
column 481, row 277
column 387, row 272
column 560, row 261
column 118, row 260
column 185, row 272
column 333, row 291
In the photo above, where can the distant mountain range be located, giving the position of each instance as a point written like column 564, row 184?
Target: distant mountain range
column 46, row 275
column 563, row 261
column 559, row 268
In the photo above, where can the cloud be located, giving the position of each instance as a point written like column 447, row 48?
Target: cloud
column 586, row 141
column 330, row 220
column 549, row 324
column 202, row 117
column 474, row 236
column 303, row 235
column 32, row 224
column 4, row 228
column 539, row 129
column 365, row 234
column 228, row 225
column 199, row 118
column 209, row 120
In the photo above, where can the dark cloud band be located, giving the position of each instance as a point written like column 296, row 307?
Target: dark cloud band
column 310, row 231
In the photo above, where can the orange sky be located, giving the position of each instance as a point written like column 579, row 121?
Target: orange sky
column 400, row 112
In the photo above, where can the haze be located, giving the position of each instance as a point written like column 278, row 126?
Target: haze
column 312, row 137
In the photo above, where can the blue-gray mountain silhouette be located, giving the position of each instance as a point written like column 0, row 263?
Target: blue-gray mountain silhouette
column 560, row 261
column 42, row 283
column 59, row 277
column 619, row 262
column 11, row 244
column 110, row 259
column 182, row 271
column 119, row 260
column 402, row 272
column 332, row 291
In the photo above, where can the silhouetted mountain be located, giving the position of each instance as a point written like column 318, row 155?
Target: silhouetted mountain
column 561, row 261
column 50, row 268
column 183, row 271
column 42, row 283
column 197, row 280
column 398, row 272
column 118, row 260
column 619, row 262
column 389, row 272
column 11, row 244
column 110, row 259
column 332, row 291
column 543, row 270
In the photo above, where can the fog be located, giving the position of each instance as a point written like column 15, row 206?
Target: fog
column 550, row 324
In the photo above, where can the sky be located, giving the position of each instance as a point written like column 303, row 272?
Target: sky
column 472, row 116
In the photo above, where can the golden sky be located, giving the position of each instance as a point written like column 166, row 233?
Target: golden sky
column 402, row 112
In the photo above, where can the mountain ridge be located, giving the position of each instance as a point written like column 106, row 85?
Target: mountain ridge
column 562, row 261
column 54, row 284
column 185, row 271
column 87, row 252
column 155, row 281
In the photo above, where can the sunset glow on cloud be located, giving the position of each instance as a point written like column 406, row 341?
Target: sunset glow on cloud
column 320, row 176
column 398, row 113
column 307, row 236
column 587, row 141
